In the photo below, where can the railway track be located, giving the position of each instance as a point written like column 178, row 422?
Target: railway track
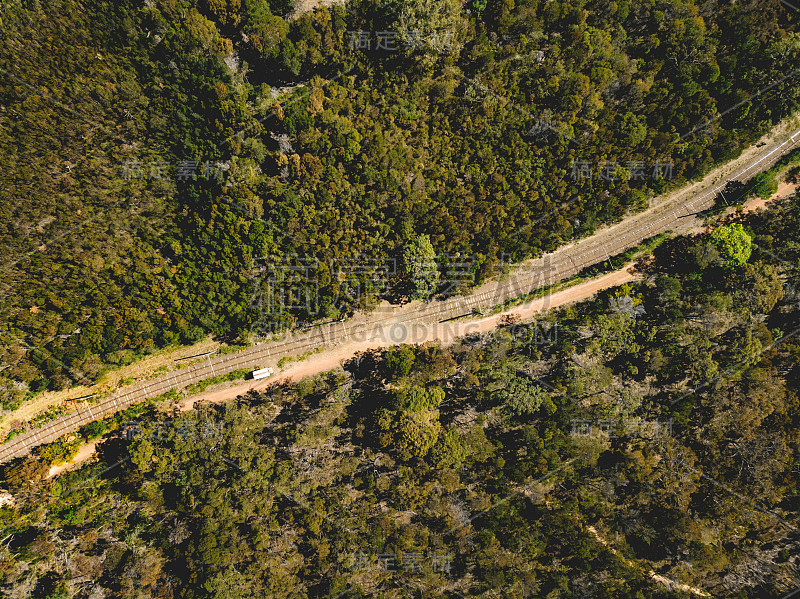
column 561, row 264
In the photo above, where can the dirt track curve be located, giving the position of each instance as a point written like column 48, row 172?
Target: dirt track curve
column 412, row 322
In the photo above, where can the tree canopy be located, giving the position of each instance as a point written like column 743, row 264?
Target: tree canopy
column 733, row 244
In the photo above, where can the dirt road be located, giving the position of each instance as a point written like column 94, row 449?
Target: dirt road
column 408, row 324
column 442, row 333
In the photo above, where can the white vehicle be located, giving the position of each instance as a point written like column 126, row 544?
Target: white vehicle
column 262, row 374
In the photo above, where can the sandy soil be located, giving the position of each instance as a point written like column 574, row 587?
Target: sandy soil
column 442, row 333
column 84, row 453
column 784, row 189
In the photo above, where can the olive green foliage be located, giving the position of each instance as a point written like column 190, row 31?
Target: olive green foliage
column 472, row 452
column 449, row 451
column 524, row 399
column 418, row 399
column 518, row 393
column 398, row 361
column 362, row 153
column 416, row 433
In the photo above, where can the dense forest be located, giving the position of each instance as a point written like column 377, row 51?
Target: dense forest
column 621, row 447
column 168, row 163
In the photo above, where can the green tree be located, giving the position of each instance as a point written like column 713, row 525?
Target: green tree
column 419, row 260
column 398, row 361
column 762, row 288
column 704, row 254
column 479, row 5
column 765, row 185
column 418, row 399
column 59, row 451
column 733, row 243
column 437, row 21
column 417, row 434
column 523, row 397
column 448, row 452
column 700, row 363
